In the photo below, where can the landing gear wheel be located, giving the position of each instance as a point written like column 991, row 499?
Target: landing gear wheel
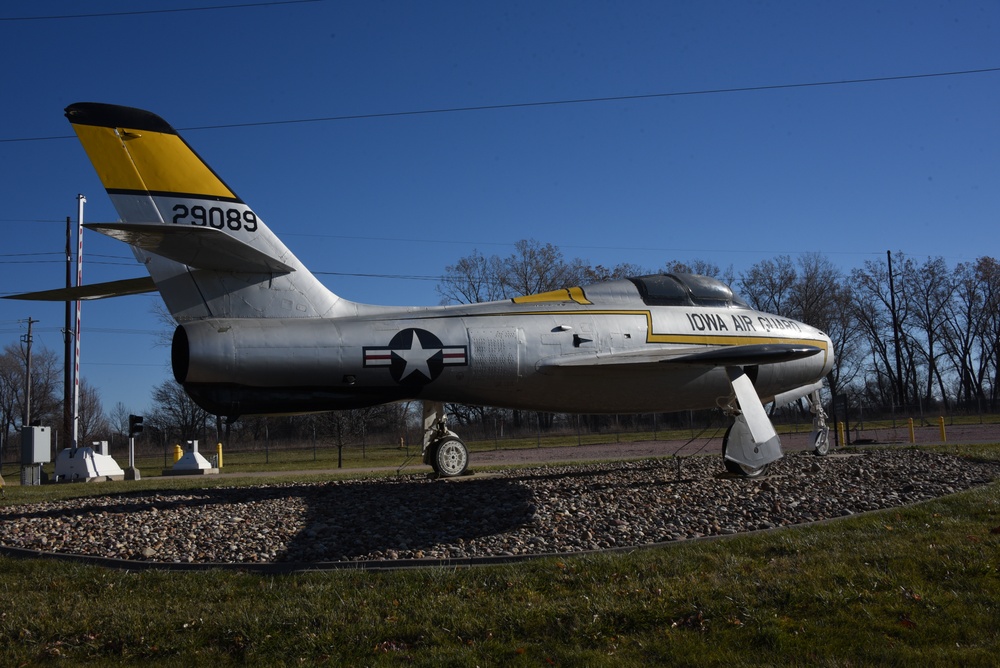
column 451, row 458
column 820, row 432
column 736, row 468
column 821, row 442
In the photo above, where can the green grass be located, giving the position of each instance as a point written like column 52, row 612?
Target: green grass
column 910, row 586
column 325, row 457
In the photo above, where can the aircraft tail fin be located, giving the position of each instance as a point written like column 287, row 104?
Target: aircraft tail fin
column 207, row 251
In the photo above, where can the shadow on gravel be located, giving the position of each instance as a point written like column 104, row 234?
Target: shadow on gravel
column 351, row 521
column 337, row 520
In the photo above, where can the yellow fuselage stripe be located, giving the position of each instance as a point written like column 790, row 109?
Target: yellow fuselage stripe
column 563, row 295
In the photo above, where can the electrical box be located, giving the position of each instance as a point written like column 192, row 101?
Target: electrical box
column 36, row 445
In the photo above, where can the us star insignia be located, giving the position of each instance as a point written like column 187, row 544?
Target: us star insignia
column 415, row 356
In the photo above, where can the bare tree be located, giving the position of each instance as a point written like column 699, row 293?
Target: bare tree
column 11, row 379
column 876, row 328
column 767, row 286
column 165, row 337
column 92, row 422
column 988, row 274
column 599, row 272
column 872, row 303
column 176, row 413
column 815, row 292
column 964, row 319
column 475, row 278
column 930, row 287
column 45, row 378
column 703, row 267
column 820, row 297
column 533, row 267
column 118, row 418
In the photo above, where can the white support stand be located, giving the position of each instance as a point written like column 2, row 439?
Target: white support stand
column 191, row 463
column 87, row 465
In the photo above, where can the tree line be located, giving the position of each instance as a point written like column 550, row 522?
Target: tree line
column 911, row 335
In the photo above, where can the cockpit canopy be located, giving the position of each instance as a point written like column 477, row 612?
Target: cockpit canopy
column 678, row 289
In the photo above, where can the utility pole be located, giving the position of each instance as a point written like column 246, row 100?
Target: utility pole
column 900, row 396
column 35, row 443
column 26, row 339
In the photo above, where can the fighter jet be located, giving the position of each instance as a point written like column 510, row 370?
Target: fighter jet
column 258, row 334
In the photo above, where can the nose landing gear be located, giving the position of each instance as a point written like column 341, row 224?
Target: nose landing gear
column 820, row 436
column 443, row 449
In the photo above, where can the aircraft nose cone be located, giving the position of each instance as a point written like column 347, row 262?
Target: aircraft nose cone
column 830, row 353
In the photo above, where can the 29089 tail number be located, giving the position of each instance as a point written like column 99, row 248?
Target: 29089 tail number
column 217, row 217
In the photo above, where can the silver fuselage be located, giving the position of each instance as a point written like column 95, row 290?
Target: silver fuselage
column 550, row 355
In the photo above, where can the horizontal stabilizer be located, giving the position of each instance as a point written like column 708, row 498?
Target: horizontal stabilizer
column 129, row 286
column 747, row 355
column 197, row 247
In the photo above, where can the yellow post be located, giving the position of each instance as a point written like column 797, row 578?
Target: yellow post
column 840, row 434
column 913, row 438
column 178, row 453
column 218, row 450
column 944, row 439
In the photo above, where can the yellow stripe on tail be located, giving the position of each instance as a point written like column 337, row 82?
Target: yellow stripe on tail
column 147, row 160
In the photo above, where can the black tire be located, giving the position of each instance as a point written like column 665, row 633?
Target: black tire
column 740, row 469
column 451, row 458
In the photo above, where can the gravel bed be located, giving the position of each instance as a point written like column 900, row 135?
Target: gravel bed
column 549, row 509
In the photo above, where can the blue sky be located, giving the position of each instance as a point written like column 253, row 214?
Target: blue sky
column 847, row 170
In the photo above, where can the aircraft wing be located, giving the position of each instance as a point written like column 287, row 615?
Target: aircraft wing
column 197, row 247
column 129, row 286
column 745, row 355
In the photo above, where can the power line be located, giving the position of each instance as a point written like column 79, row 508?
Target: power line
column 551, row 103
column 591, row 100
column 161, row 364
column 155, row 11
column 91, row 262
column 510, row 244
column 406, row 277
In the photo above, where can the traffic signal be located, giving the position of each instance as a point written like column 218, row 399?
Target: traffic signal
column 134, row 425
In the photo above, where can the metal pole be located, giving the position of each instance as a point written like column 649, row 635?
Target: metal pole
column 80, row 200
column 895, row 334
column 68, row 341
